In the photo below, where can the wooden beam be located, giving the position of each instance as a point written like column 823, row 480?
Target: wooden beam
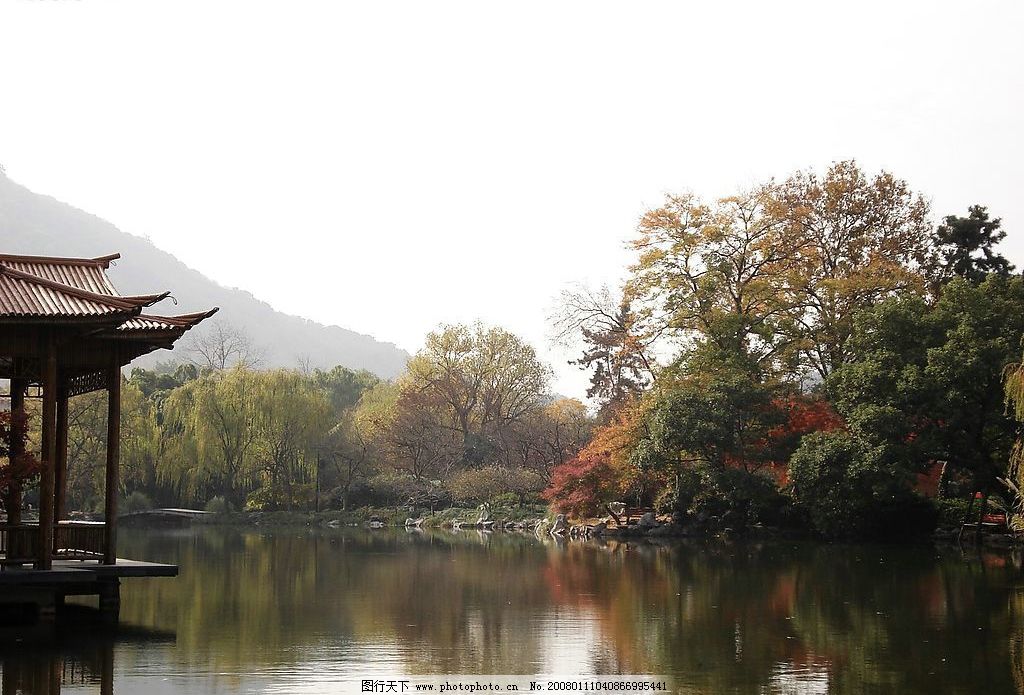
column 61, row 468
column 113, row 460
column 49, row 449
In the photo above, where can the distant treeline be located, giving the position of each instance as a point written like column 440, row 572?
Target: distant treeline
column 469, row 420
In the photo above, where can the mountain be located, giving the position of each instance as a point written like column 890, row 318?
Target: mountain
column 31, row 223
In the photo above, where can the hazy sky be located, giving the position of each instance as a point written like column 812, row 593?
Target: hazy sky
column 388, row 166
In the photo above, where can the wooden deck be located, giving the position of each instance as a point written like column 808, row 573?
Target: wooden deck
column 44, row 591
column 83, row 572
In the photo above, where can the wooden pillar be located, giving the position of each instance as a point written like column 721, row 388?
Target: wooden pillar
column 61, row 468
column 16, row 448
column 107, row 669
column 49, row 451
column 113, row 460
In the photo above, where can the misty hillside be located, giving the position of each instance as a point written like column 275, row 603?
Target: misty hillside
column 31, row 223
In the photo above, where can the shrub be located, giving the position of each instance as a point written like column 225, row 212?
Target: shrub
column 581, row 486
column 715, row 491
column 951, row 511
column 478, row 485
column 218, row 505
column 848, row 490
column 399, row 489
column 136, row 502
column 505, row 499
column 526, row 484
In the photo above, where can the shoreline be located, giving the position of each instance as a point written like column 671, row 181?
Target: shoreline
column 525, row 519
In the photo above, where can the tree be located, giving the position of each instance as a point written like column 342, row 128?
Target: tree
column 213, row 422
column 719, row 272
column 602, row 471
column 21, row 467
column 618, row 343
column 412, row 431
column 958, row 241
column 925, row 383
column 344, row 386
column 292, row 416
column 220, row 345
column 478, row 381
column 348, row 448
column 861, row 239
column 716, row 414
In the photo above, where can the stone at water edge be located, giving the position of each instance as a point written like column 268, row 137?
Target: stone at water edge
column 648, row 521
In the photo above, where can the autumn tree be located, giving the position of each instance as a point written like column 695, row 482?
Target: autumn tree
column 478, row 381
column 20, row 466
column 602, row 471
column 547, row 437
column 860, row 239
column 719, row 272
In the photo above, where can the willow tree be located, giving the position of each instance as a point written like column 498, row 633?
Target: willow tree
column 291, row 420
column 213, row 420
column 1015, row 404
column 87, row 442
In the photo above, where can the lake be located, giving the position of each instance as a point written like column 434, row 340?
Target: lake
column 311, row 611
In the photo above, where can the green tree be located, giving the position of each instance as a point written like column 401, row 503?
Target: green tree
column 292, row 419
column 964, row 247
column 213, row 420
column 926, row 383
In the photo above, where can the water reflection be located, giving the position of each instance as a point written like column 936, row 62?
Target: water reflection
column 75, row 656
column 302, row 611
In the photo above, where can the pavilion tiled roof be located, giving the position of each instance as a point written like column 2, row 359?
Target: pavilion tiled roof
column 44, row 288
column 146, row 323
column 27, row 295
column 84, row 273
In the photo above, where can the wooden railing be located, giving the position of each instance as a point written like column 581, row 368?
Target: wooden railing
column 80, row 540
column 72, row 540
column 18, row 543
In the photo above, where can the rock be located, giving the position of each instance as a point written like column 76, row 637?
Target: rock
column 648, row 521
column 560, row 526
column 600, row 529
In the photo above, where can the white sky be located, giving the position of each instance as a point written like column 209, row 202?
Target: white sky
column 388, row 166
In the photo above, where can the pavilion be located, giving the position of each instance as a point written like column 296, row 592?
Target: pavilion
column 66, row 331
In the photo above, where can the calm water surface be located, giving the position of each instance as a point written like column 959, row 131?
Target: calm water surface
column 303, row 611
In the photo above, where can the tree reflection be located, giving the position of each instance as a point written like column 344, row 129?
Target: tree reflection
column 718, row 617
